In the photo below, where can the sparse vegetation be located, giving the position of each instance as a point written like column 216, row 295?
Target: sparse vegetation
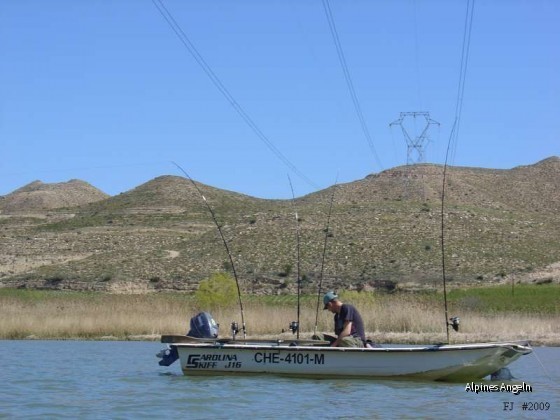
column 378, row 233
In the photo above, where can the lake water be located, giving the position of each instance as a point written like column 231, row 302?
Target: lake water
column 95, row 380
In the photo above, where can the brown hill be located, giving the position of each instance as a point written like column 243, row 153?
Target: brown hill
column 385, row 232
column 531, row 188
column 170, row 190
column 38, row 196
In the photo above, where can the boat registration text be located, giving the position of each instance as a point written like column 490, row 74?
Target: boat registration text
column 293, row 358
column 231, row 361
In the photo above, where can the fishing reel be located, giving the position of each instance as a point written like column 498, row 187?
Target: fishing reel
column 294, row 327
column 234, row 329
column 454, row 323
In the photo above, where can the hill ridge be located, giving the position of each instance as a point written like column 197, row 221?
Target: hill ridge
column 37, row 196
column 385, row 232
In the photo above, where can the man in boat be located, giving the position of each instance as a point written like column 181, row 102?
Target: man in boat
column 348, row 324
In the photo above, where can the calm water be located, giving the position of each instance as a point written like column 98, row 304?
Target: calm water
column 79, row 379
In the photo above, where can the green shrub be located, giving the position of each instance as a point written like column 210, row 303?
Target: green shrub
column 218, row 291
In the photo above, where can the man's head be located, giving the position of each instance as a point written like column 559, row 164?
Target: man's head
column 330, row 299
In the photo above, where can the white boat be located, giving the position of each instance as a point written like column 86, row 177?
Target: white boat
column 446, row 362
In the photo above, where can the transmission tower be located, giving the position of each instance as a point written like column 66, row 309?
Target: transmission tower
column 415, row 143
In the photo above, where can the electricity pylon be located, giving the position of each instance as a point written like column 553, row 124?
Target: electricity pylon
column 415, row 143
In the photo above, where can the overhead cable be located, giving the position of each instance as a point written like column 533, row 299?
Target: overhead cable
column 223, row 90
column 462, row 77
column 349, row 82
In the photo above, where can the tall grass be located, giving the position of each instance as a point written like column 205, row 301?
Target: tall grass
column 409, row 318
column 40, row 314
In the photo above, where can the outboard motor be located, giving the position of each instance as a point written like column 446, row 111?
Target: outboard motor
column 168, row 356
column 203, row 326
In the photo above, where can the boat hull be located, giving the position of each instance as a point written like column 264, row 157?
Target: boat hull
column 439, row 362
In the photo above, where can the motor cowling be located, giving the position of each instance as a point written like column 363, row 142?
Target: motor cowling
column 203, row 325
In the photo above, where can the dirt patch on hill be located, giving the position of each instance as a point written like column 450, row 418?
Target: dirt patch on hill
column 24, row 264
column 549, row 274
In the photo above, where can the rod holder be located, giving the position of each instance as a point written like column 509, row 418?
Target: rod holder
column 234, row 329
column 294, row 327
column 455, row 321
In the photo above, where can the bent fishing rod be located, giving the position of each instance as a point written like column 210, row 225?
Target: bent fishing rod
column 234, row 327
column 319, row 288
column 453, row 321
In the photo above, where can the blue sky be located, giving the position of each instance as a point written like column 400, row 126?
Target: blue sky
column 105, row 92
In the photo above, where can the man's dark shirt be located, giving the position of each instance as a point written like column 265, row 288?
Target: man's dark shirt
column 349, row 313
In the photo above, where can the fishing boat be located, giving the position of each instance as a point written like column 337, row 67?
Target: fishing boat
column 201, row 352
column 313, row 358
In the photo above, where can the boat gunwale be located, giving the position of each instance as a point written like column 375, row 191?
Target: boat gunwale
column 522, row 347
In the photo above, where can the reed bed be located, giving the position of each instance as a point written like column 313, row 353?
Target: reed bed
column 405, row 318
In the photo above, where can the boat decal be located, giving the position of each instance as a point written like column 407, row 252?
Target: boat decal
column 212, row 361
column 297, row 358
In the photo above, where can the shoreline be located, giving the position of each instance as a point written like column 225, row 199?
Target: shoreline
column 382, row 338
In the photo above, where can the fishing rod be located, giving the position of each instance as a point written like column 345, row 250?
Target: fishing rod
column 323, row 257
column 443, row 239
column 294, row 326
column 453, row 140
column 234, row 326
column 453, row 321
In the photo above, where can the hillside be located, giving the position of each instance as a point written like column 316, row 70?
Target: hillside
column 385, row 232
column 38, row 196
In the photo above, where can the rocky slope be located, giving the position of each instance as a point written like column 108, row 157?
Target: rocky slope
column 38, row 197
column 385, row 233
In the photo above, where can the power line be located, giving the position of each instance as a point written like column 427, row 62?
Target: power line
column 452, row 146
column 223, row 90
column 349, row 82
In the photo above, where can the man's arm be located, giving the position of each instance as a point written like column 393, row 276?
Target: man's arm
column 344, row 333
